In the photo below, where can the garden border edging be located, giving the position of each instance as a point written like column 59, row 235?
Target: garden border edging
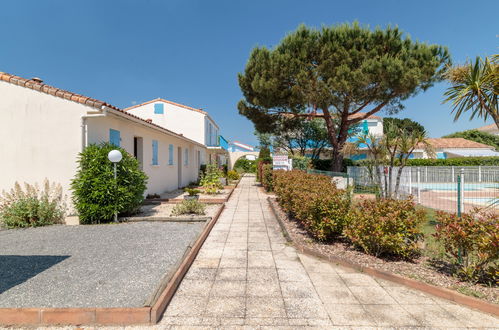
column 421, row 286
column 113, row 315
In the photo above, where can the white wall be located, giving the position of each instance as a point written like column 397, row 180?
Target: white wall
column 162, row 177
column 375, row 126
column 190, row 123
column 40, row 137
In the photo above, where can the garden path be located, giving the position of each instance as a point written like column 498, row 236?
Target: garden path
column 247, row 275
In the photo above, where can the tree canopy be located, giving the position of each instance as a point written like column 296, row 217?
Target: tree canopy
column 477, row 136
column 342, row 73
column 406, row 124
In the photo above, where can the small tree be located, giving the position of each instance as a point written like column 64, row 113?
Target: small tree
column 475, row 88
column 96, row 195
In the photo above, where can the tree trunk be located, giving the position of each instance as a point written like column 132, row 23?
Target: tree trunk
column 337, row 161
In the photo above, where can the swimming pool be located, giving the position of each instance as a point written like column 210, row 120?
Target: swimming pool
column 452, row 186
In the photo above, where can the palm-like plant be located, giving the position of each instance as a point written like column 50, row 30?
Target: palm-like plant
column 475, row 88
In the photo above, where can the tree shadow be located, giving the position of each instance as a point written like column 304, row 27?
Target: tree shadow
column 16, row 269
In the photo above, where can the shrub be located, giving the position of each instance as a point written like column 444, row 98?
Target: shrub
column 232, row 175
column 33, row 206
column 192, row 191
column 189, row 206
column 267, row 177
column 96, row 195
column 326, row 164
column 301, row 163
column 386, row 227
column 314, row 201
column 210, row 180
column 463, row 161
column 472, row 243
column 244, row 165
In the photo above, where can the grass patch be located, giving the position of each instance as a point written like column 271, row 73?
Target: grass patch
column 469, row 292
column 432, row 248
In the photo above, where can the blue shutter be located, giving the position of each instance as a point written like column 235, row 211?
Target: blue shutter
column 154, row 152
column 114, row 137
column 170, row 154
column 159, row 108
column 365, row 127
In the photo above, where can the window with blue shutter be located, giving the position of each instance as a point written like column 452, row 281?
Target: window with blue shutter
column 154, row 152
column 114, row 137
column 159, row 108
column 170, row 154
column 186, row 157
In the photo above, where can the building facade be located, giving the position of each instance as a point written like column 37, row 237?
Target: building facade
column 45, row 128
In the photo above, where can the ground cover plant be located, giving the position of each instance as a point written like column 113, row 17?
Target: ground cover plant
column 32, row 206
column 189, row 206
column 96, row 195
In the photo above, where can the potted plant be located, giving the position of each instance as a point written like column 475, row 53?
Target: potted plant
column 192, row 193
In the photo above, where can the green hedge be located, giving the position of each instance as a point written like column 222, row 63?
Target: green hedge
column 326, row 164
column 464, row 161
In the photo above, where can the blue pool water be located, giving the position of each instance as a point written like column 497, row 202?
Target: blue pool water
column 451, row 186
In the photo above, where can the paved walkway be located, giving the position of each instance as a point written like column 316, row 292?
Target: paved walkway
column 246, row 275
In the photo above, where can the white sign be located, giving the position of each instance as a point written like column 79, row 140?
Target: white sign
column 281, row 162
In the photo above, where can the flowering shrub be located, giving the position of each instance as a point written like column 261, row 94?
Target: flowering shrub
column 232, row 175
column 32, row 206
column 267, row 177
column 472, row 243
column 386, row 227
column 314, row 201
column 189, row 206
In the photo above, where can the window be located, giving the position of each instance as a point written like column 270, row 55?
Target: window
column 154, row 152
column 159, row 108
column 170, row 154
column 186, row 157
column 114, row 137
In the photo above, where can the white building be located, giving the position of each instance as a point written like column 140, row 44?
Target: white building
column 43, row 129
column 491, row 129
column 190, row 122
column 454, row 148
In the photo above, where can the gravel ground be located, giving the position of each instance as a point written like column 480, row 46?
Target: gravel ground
column 165, row 210
column 115, row 265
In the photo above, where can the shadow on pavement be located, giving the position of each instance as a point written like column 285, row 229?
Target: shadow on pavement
column 15, row 269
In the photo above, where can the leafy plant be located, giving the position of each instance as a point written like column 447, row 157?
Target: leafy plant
column 244, row 165
column 267, row 177
column 232, row 175
column 386, row 227
column 301, row 163
column 192, row 191
column 96, row 195
column 477, row 136
column 210, row 180
column 314, row 201
column 189, row 206
column 32, row 206
column 472, row 243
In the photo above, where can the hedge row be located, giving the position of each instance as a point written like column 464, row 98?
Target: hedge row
column 464, row 161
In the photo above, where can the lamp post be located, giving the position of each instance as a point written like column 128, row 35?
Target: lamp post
column 115, row 157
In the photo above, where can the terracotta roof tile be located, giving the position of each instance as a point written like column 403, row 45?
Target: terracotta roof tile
column 74, row 97
column 440, row 143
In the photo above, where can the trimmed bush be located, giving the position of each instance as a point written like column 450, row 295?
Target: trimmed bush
column 301, row 163
column 463, row 161
column 96, row 195
column 189, row 206
column 314, row 201
column 386, row 227
column 32, row 207
column 267, row 177
column 472, row 243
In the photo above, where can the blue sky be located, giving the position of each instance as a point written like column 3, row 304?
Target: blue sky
column 126, row 52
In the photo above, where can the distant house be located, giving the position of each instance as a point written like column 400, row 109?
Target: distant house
column 372, row 125
column 235, row 146
column 491, row 129
column 190, row 122
column 455, row 147
column 44, row 128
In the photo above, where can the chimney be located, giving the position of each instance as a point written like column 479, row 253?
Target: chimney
column 38, row 80
column 149, row 120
